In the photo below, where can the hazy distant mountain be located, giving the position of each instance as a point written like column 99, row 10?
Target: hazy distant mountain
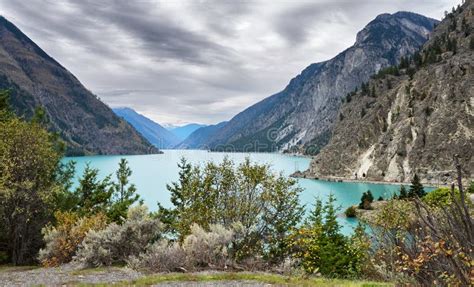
column 301, row 117
column 199, row 138
column 414, row 120
column 184, row 131
column 152, row 131
column 35, row 79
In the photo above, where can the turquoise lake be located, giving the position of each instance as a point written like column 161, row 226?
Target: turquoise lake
column 151, row 173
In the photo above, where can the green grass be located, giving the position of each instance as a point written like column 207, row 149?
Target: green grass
column 258, row 277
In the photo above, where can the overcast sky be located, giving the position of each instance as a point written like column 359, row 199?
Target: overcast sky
column 196, row 61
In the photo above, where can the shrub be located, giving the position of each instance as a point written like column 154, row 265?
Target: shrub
column 63, row 239
column 434, row 247
column 161, row 256
column 208, row 249
column 470, row 189
column 200, row 249
column 265, row 203
column 366, row 200
column 116, row 243
column 350, row 211
column 440, row 197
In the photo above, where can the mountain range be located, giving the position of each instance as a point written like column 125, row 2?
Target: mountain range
column 410, row 119
column 300, row 118
column 182, row 132
column 152, row 131
column 34, row 79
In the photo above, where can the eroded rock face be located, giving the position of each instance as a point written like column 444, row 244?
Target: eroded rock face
column 413, row 124
column 300, row 118
column 86, row 124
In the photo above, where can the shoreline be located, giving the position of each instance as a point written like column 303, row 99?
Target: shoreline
column 352, row 180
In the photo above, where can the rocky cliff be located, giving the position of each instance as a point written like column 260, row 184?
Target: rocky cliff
column 300, row 118
column 35, row 79
column 412, row 118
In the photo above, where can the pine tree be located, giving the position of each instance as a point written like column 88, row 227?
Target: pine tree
column 416, row 188
column 315, row 217
column 93, row 195
column 331, row 227
column 124, row 194
column 403, row 192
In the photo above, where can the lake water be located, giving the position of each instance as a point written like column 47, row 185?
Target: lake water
column 151, row 173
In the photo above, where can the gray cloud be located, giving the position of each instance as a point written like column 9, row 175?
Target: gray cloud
column 196, row 61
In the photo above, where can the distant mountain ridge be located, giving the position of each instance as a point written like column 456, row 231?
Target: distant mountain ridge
column 87, row 125
column 300, row 118
column 182, row 132
column 199, row 138
column 152, row 131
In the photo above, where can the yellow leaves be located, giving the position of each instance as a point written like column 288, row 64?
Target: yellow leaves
column 63, row 239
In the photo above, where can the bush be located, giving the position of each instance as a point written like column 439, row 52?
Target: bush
column 161, row 256
column 366, row 200
column 200, row 249
column 208, row 249
column 350, row 211
column 440, row 197
column 430, row 245
column 63, row 239
column 470, row 189
column 116, row 243
column 265, row 203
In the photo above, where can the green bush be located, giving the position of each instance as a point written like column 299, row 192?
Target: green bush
column 440, row 197
column 264, row 203
column 366, row 200
column 350, row 211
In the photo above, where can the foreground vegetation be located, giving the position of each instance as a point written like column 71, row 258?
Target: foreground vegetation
column 224, row 216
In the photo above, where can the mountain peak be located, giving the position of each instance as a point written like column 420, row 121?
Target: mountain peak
column 301, row 116
column 35, row 79
column 402, row 23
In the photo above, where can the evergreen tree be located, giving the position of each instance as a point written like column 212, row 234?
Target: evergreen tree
column 315, row 217
column 331, row 227
column 124, row 194
column 416, row 188
column 93, row 195
column 366, row 199
column 403, row 192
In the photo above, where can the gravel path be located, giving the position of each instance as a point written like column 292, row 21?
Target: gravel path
column 63, row 276
column 67, row 275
